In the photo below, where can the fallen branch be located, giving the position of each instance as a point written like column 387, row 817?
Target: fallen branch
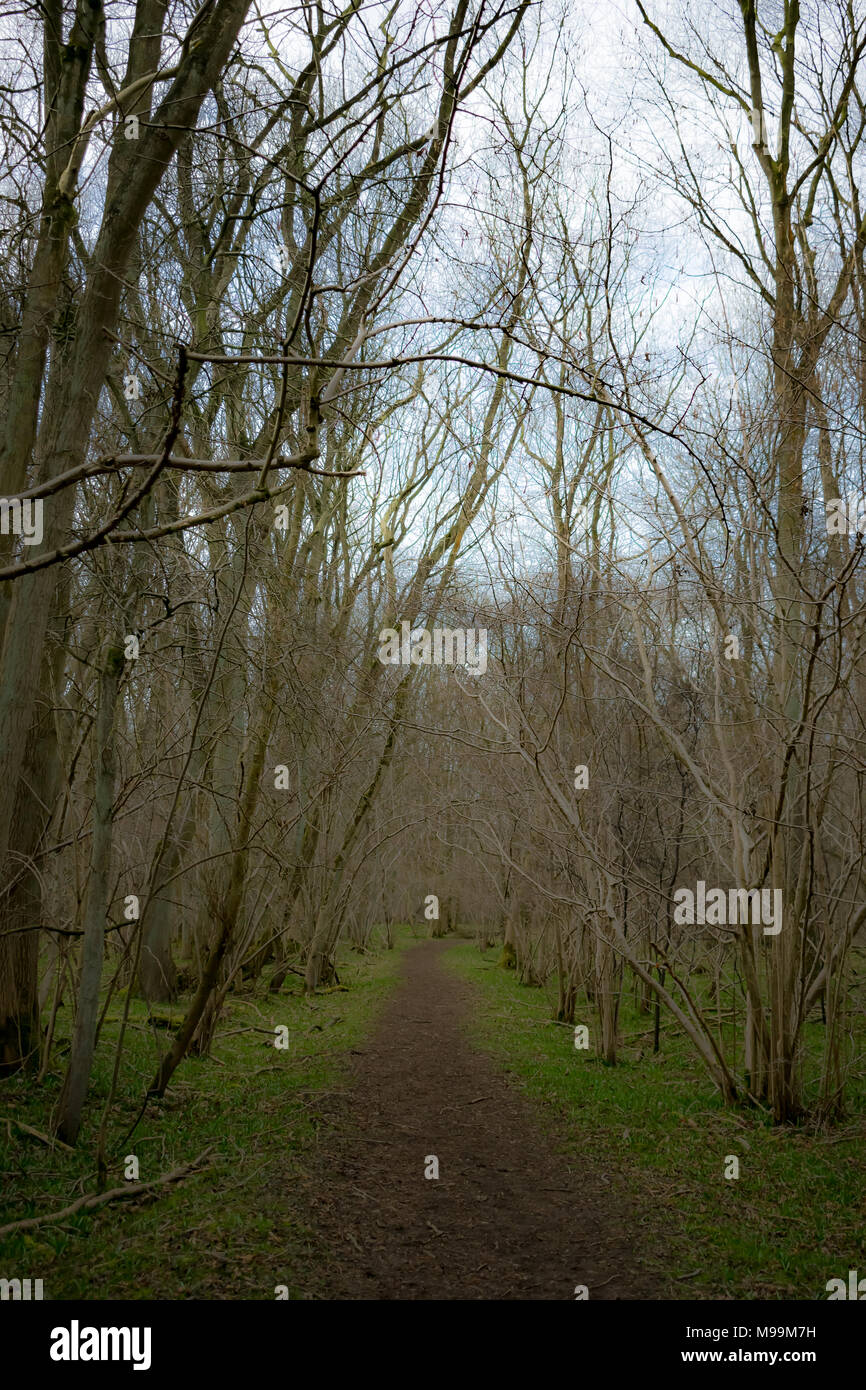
column 99, row 1199
column 36, row 1133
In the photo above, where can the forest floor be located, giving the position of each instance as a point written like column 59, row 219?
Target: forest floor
column 554, row 1170
column 508, row 1217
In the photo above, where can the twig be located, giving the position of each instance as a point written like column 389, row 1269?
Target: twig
column 99, row 1199
column 36, row 1133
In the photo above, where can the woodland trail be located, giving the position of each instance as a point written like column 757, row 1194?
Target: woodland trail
column 508, row 1217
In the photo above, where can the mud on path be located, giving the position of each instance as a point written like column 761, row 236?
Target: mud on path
column 508, row 1218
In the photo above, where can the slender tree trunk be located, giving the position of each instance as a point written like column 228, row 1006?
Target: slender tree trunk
column 227, row 921
column 21, row 908
column 72, row 1097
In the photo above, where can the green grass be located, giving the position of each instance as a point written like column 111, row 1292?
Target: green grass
column 229, row 1231
column 794, row 1218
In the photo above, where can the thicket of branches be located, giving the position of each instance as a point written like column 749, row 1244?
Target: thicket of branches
column 320, row 319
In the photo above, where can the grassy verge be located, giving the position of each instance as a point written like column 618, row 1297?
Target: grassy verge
column 794, row 1219
column 228, row 1231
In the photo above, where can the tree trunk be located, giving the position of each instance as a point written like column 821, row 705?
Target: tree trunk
column 21, row 912
column 228, row 916
column 72, row 1097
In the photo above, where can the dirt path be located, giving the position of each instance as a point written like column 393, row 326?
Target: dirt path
column 508, row 1217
